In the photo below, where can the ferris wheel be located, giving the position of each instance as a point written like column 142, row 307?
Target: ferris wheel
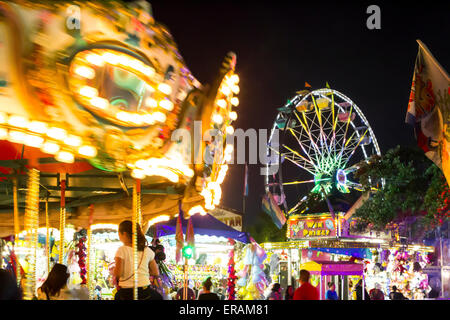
column 322, row 138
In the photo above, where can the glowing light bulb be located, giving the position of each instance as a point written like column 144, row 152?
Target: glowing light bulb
column 136, row 118
column 233, row 115
column 99, row 103
column 235, row 101
column 148, row 71
column 88, row 91
column 38, row 127
column 88, row 151
column 17, row 136
column 165, row 88
column 18, row 121
column 229, row 149
column 95, row 59
column 3, row 133
column 148, row 118
column 230, row 130
column 166, row 104
column 138, row 174
column 151, row 103
column 225, row 90
column 141, row 164
column 3, row 117
column 235, row 89
column 159, row 116
column 110, row 58
column 50, row 147
column 73, row 141
column 57, row 133
column 33, row 141
column 234, row 78
column 85, row 72
column 65, row 156
column 222, row 103
column 217, row 118
column 123, row 116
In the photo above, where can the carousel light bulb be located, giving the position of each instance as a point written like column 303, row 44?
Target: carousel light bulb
column 85, row 72
column 150, row 88
column 3, row 117
column 123, row 116
column 235, row 101
column 166, row 104
column 235, row 89
column 87, row 151
column 18, row 121
column 50, row 147
column 148, row 118
column 217, row 118
column 87, row 91
column 73, row 141
column 230, row 130
column 138, row 174
column 136, row 118
column 3, row 133
column 110, row 58
column 197, row 209
column 33, row 141
column 234, row 78
column 141, row 164
column 159, row 116
column 17, row 136
column 148, row 71
column 233, row 115
column 151, row 103
column 95, row 59
column 222, row 103
column 37, row 126
column 165, row 88
column 99, row 103
column 57, row 133
column 65, row 156
column 229, row 149
column 225, row 90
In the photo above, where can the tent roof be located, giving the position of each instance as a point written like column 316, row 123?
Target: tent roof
column 203, row 225
column 332, row 268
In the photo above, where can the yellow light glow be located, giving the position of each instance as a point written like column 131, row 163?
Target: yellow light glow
column 234, row 78
column 17, row 136
column 65, row 156
column 18, row 121
column 73, row 141
column 123, row 116
column 230, row 130
column 99, row 103
column 138, row 174
column 57, row 133
column 222, row 103
column 99, row 226
column 235, row 89
column 148, row 118
column 95, row 59
column 141, row 164
column 88, row 151
column 197, row 209
column 165, row 88
column 85, row 72
column 233, row 115
column 37, row 126
column 235, row 101
column 136, row 118
column 150, row 88
column 33, row 141
column 151, row 103
column 3, row 117
column 148, row 71
column 166, row 104
column 158, row 219
column 225, row 90
column 229, row 149
column 154, row 171
column 159, row 116
column 50, row 147
column 3, row 133
column 110, row 58
column 217, row 118
column 88, row 92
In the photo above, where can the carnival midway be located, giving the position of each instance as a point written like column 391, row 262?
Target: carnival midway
column 105, row 197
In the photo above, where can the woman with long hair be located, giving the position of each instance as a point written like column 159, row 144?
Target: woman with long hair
column 124, row 265
column 55, row 286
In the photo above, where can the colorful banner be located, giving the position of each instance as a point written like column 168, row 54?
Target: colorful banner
column 190, row 239
column 429, row 109
column 312, row 227
column 179, row 237
column 269, row 205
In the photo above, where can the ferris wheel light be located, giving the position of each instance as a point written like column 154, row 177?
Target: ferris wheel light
column 235, row 101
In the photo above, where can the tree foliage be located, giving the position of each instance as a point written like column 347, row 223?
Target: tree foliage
column 264, row 230
column 407, row 183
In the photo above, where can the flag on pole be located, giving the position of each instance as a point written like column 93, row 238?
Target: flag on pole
column 246, row 180
column 179, row 237
column 270, row 206
column 307, row 85
column 190, row 239
column 429, row 108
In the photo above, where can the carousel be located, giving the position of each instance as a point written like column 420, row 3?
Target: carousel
column 100, row 121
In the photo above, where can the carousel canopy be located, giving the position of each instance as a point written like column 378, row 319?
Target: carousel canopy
column 203, row 225
column 333, row 268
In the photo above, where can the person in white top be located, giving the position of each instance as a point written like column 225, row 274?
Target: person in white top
column 124, row 270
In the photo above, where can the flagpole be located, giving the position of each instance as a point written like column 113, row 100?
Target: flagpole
column 425, row 48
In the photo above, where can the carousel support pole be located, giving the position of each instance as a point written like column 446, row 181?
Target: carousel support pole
column 185, row 280
column 363, row 287
column 16, row 226
column 135, row 220
column 31, row 226
column 90, row 271
column 47, row 237
column 289, row 280
column 342, row 287
column 62, row 220
column 320, row 286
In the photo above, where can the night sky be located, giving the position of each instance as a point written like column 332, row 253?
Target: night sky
column 280, row 45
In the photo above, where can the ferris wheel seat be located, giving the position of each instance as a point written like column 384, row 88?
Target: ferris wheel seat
column 322, row 103
column 304, row 106
column 343, row 116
